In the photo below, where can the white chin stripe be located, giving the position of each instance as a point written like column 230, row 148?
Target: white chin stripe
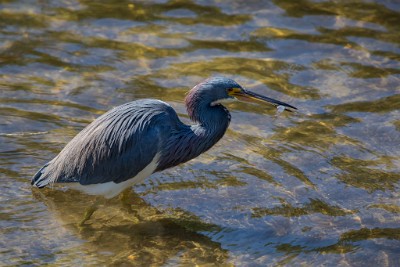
column 223, row 100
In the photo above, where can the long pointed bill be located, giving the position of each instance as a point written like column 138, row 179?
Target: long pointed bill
column 249, row 96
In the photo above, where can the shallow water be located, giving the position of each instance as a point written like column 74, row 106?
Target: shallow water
column 317, row 187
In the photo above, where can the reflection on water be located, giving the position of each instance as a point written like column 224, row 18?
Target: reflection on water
column 318, row 187
column 143, row 233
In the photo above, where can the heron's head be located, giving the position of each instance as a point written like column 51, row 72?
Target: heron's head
column 218, row 90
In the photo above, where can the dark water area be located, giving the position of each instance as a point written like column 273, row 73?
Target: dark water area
column 320, row 187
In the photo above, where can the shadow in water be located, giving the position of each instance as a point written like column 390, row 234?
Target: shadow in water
column 128, row 231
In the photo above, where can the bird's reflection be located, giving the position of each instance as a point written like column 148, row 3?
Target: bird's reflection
column 128, row 231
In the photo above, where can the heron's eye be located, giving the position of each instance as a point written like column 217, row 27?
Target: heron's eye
column 231, row 91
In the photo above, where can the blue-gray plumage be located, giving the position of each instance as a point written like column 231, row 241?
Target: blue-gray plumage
column 134, row 140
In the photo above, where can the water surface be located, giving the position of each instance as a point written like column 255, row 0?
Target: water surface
column 318, row 187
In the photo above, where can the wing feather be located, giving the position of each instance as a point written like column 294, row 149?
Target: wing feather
column 114, row 147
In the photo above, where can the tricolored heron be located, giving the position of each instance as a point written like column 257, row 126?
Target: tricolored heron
column 130, row 142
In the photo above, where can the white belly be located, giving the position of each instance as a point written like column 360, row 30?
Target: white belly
column 111, row 189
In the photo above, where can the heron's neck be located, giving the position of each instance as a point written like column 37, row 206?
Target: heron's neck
column 189, row 142
column 210, row 128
